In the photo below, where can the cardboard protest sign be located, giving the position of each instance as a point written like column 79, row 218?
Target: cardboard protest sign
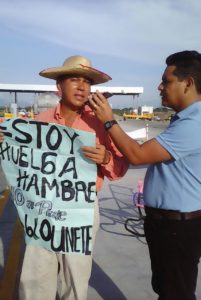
column 53, row 185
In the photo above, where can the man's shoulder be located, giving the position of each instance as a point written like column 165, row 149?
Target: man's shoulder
column 47, row 115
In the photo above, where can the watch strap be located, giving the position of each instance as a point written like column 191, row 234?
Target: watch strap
column 109, row 124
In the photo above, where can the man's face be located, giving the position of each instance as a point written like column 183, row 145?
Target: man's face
column 74, row 91
column 171, row 89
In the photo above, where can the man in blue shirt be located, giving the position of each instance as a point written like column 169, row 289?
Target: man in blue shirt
column 172, row 188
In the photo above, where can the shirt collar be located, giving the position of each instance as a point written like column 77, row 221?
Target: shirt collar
column 58, row 115
column 188, row 110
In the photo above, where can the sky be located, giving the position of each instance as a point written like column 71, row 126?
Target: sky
column 127, row 39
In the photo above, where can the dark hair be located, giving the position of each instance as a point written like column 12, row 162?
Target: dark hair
column 188, row 64
column 66, row 76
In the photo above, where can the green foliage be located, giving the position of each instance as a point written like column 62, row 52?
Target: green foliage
column 121, row 111
column 163, row 109
column 2, row 110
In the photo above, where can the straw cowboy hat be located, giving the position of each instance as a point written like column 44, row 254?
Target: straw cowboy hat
column 78, row 66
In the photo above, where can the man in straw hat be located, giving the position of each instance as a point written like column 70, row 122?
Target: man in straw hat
column 42, row 268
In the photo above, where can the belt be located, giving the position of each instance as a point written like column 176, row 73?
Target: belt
column 162, row 214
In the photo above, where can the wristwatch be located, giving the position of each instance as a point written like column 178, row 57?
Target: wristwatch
column 109, row 124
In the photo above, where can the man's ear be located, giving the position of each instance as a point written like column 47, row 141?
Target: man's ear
column 189, row 83
column 59, row 92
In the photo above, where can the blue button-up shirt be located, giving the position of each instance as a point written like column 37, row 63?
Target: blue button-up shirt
column 176, row 184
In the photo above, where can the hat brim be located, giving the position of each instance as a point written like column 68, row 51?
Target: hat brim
column 95, row 76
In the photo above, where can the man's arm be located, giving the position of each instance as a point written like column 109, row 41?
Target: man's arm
column 1, row 136
column 137, row 154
